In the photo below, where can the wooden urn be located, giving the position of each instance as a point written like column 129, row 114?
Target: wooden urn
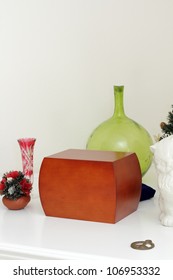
column 99, row 186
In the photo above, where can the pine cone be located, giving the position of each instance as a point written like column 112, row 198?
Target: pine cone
column 162, row 125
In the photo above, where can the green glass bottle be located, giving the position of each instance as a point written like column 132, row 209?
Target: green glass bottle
column 120, row 133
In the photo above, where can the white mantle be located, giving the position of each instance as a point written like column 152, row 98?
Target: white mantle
column 29, row 234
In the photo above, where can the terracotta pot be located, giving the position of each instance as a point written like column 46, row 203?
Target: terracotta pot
column 16, row 204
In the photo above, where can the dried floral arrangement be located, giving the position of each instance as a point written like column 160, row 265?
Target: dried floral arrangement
column 14, row 184
column 167, row 128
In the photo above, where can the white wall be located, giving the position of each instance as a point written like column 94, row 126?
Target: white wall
column 59, row 60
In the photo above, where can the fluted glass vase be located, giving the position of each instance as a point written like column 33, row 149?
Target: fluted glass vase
column 27, row 150
column 120, row 133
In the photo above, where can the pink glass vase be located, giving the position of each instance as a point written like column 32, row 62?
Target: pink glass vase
column 27, row 150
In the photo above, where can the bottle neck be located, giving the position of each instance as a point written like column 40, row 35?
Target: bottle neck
column 119, row 101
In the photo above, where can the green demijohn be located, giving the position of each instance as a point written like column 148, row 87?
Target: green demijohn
column 120, row 133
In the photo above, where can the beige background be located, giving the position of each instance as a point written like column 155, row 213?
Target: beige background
column 59, row 60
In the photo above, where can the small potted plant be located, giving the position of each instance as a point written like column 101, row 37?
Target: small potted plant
column 15, row 189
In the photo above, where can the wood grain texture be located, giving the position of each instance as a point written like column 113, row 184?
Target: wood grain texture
column 100, row 186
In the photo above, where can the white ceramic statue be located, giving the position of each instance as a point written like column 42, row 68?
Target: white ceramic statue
column 163, row 160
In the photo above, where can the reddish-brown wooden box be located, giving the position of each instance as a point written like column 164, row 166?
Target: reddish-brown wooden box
column 100, row 186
